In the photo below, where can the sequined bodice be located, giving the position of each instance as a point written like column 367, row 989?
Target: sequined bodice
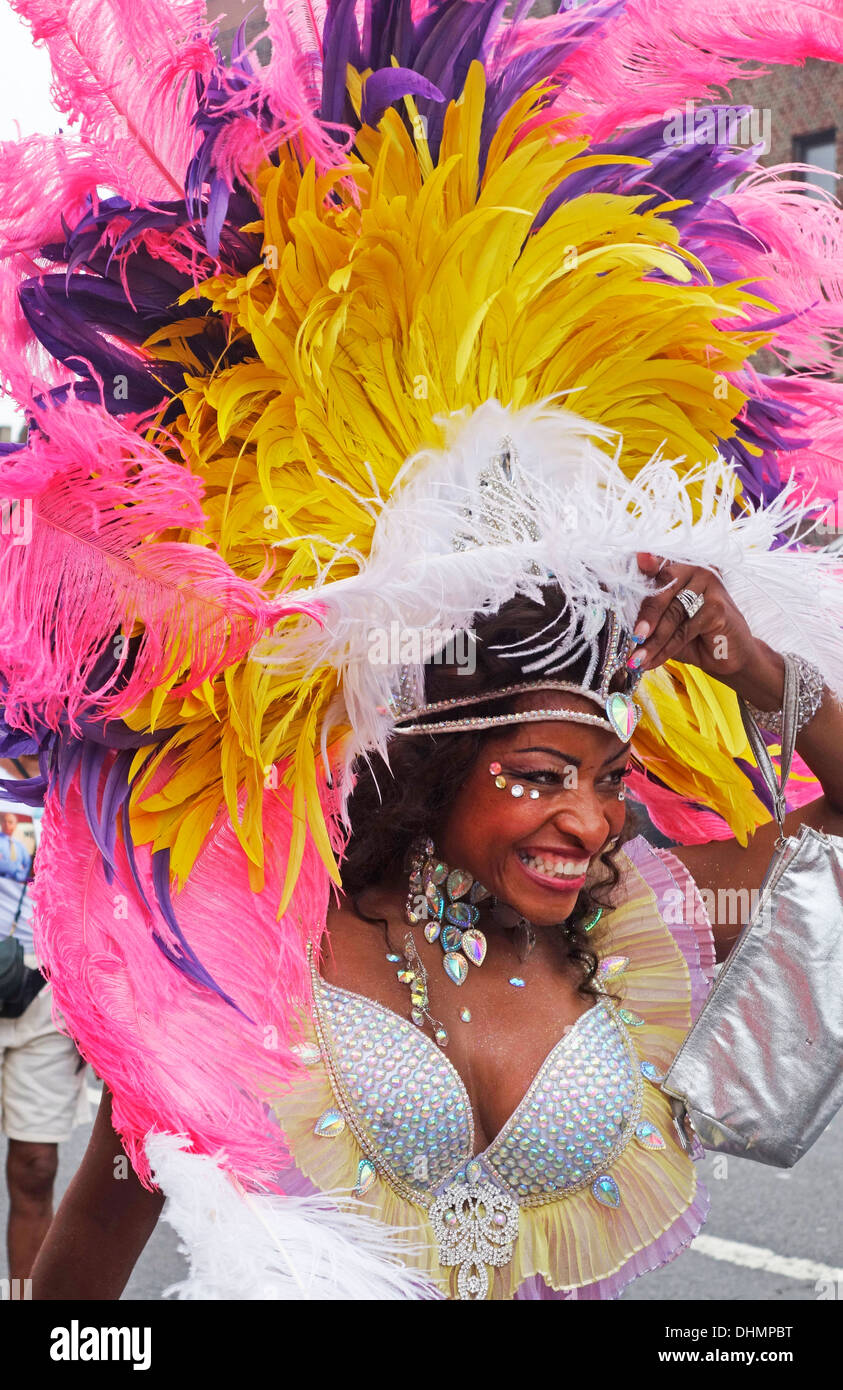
column 412, row 1110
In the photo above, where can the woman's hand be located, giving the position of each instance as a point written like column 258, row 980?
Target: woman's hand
column 717, row 638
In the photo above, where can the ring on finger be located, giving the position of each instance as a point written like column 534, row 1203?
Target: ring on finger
column 691, row 602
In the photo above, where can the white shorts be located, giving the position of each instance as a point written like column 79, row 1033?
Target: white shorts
column 42, row 1085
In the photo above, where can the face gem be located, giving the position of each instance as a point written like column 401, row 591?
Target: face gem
column 516, row 789
column 432, row 930
column 451, row 938
column 393, row 958
column 474, row 945
column 534, row 796
column 465, row 1015
column 652, row 1073
column 606, row 1191
column 648, row 1136
column 458, row 883
column 517, row 981
column 612, row 966
column 623, row 715
column 455, row 967
column 494, row 768
column 500, row 782
column 366, row 1176
column 329, row 1124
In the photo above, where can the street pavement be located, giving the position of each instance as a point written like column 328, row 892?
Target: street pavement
column 772, row 1234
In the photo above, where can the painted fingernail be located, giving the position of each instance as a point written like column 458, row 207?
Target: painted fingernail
column 641, row 632
column 634, row 662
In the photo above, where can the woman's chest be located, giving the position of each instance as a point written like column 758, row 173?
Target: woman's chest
column 410, row 1106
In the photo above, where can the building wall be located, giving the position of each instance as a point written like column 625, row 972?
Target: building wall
column 801, row 101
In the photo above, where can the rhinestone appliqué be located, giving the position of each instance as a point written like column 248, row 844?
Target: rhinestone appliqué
column 475, row 1225
column 576, row 1118
column 410, row 1103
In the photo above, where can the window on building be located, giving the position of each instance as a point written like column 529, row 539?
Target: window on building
column 819, row 149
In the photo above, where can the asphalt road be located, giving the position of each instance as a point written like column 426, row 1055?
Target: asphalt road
column 772, row 1235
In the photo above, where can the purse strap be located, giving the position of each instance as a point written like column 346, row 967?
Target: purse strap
column 790, row 703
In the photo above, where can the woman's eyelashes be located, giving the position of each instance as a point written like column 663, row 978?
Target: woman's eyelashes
column 565, row 778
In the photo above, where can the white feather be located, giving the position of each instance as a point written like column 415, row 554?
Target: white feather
column 261, row 1246
column 568, row 514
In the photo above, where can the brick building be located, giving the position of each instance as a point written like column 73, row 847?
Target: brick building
column 806, row 116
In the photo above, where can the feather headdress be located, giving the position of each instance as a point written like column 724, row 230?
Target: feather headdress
column 269, row 324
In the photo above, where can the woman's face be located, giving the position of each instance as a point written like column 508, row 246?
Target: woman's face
column 534, row 852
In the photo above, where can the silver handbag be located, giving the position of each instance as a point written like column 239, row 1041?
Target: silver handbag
column 760, row 1075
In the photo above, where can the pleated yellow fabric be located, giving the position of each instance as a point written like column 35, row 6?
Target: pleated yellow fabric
column 571, row 1240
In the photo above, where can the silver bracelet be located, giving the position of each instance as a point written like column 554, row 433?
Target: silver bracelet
column 811, row 687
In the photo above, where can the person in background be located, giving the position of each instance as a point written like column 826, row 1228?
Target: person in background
column 42, row 1077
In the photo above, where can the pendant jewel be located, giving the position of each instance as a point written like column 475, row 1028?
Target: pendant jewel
column 432, row 930
column 458, row 883
column 475, row 1225
column 461, row 914
column 455, row 967
column 474, row 945
column 606, row 1190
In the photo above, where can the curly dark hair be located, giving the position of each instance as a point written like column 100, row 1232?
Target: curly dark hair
column 394, row 804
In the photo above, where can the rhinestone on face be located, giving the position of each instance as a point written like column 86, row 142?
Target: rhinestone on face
column 494, row 768
column 517, row 981
column 500, row 782
column 516, row 789
column 465, row 1015
column 534, row 794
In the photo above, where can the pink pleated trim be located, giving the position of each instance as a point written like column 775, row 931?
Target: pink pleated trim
column 665, row 874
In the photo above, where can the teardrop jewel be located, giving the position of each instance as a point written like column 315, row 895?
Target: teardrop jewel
column 455, row 967
column 474, row 945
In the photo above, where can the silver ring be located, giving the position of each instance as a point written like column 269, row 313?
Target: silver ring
column 691, row 602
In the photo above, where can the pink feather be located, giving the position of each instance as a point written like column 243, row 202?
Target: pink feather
column 137, row 1020
column 99, row 494
column 655, row 56
column 802, row 272
column 124, row 72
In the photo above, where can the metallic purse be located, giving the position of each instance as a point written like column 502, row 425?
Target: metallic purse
column 760, row 1075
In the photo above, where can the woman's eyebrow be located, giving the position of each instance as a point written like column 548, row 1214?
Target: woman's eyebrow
column 569, row 757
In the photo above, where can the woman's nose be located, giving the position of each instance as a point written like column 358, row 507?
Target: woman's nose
column 585, row 817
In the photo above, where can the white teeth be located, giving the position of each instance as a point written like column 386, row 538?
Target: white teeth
column 553, row 868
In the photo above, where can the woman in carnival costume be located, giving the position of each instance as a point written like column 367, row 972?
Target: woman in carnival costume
column 398, row 493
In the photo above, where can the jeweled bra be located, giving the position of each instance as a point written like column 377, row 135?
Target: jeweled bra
column 409, row 1111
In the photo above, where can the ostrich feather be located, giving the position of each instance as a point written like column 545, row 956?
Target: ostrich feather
column 91, row 568
column 124, row 74
column 252, row 1245
column 567, row 514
